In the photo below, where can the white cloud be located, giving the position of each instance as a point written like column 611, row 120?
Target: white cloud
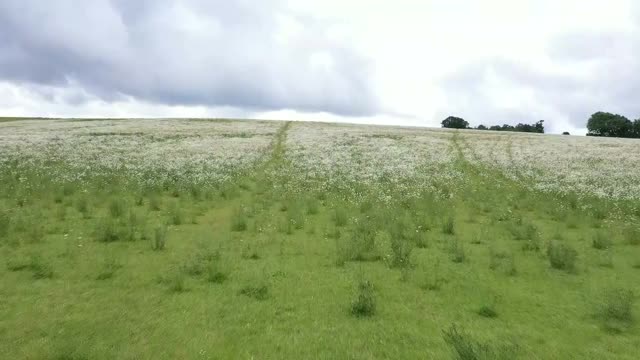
column 408, row 62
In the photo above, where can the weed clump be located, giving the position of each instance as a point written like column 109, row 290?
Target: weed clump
column 174, row 282
column 466, row 347
column 615, row 310
column 159, row 238
column 216, row 275
column 456, row 250
column 177, row 284
column 400, row 253
column 35, row 264
column 601, row 242
column 632, row 235
column 259, row 292
column 117, row 208
column 361, row 246
column 239, row 221
column 4, row 224
column 448, row 227
column 526, row 231
column 82, row 205
column 502, row 260
column 108, row 231
column 40, row 269
column 364, row 305
column 176, row 217
column 109, row 269
column 562, row 256
column 155, row 203
column 433, row 280
column 488, row 311
column 340, row 217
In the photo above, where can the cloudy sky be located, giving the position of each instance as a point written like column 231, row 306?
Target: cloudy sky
column 406, row 62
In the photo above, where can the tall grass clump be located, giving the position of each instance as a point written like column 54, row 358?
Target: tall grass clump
column 174, row 281
column 38, row 267
column 155, row 204
column 433, row 280
column 401, row 247
column 109, row 269
column 198, row 262
column 340, row 216
column 361, row 245
column 448, row 227
column 257, row 290
column 465, row 347
column 456, row 251
column 176, row 217
column 364, row 304
column 216, row 274
column 4, row 223
column 601, row 241
column 615, row 310
column 562, row 256
column 523, row 231
column 108, row 230
column 296, row 216
column 135, row 226
column 82, row 205
column 502, row 260
column 117, row 207
column 313, row 206
column 159, row 238
column 488, row 311
column 632, row 235
column 239, row 221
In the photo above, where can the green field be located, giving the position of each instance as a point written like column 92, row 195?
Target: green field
column 219, row 239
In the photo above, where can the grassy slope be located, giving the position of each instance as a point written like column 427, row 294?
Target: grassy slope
column 160, row 304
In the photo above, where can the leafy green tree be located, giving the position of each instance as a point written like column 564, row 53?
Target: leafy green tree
column 482, row 127
column 539, row 127
column 608, row 124
column 566, row 133
column 453, row 122
column 635, row 129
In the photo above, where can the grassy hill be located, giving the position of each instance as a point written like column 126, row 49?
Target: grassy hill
column 209, row 239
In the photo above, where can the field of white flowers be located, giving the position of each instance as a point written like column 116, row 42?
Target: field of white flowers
column 329, row 155
column 148, row 151
column 189, row 238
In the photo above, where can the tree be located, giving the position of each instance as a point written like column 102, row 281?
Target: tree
column 481, row 127
column 608, row 124
column 453, row 122
column 635, row 129
column 566, row 133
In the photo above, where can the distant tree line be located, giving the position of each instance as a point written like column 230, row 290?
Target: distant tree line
column 599, row 124
column 453, row 122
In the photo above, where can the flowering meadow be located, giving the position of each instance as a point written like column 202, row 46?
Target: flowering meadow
column 221, row 239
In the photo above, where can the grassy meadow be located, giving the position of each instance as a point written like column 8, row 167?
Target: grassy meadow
column 218, row 239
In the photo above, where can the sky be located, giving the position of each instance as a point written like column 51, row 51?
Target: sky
column 401, row 62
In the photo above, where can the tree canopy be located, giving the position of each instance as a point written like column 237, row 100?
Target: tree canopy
column 453, row 122
column 608, row 124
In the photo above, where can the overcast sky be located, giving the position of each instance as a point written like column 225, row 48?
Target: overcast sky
column 406, row 62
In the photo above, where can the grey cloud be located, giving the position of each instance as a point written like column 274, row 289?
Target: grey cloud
column 588, row 72
column 213, row 53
